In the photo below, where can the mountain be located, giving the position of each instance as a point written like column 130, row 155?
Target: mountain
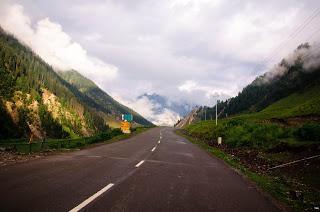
column 37, row 102
column 290, row 89
column 188, row 119
column 291, row 75
column 109, row 108
column 162, row 103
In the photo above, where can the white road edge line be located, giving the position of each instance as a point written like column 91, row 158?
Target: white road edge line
column 154, row 148
column 139, row 164
column 90, row 199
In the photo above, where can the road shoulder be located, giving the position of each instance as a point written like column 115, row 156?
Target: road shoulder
column 256, row 180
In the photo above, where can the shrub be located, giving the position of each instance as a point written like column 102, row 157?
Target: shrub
column 254, row 135
column 240, row 133
column 309, row 132
column 238, row 136
column 267, row 135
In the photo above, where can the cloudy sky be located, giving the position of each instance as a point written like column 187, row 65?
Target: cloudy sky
column 186, row 50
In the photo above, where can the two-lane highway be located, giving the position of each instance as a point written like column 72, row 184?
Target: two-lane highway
column 154, row 171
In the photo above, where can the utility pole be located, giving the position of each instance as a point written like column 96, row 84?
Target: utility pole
column 205, row 113
column 217, row 112
column 216, row 96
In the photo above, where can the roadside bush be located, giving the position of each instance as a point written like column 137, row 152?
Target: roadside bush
column 240, row 133
column 255, row 135
column 308, row 132
column 266, row 135
column 116, row 132
column 238, row 136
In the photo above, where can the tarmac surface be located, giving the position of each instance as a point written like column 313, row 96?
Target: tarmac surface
column 156, row 170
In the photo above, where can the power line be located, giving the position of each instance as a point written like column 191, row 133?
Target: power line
column 298, row 30
column 295, row 33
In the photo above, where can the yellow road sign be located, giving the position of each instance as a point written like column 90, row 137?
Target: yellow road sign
column 125, row 126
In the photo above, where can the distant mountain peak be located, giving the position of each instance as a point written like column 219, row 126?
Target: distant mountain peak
column 163, row 103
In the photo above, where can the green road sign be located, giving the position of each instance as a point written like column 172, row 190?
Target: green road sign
column 127, row 117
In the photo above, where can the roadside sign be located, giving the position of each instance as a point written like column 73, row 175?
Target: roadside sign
column 127, row 117
column 125, row 127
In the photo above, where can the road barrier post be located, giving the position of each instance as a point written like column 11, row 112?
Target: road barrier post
column 219, row 140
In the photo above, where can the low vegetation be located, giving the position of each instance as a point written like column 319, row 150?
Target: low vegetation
column 22, row 146
column 266, row 136
column 255, row 148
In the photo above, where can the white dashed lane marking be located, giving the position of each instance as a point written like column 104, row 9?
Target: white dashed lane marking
column 90, row 199
column 139, row 164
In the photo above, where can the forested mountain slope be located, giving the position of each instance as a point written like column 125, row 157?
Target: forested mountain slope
column 105, row 103
column 36, row 102
column 293, row 75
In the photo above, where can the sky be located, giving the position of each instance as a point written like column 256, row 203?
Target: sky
column 190, row 51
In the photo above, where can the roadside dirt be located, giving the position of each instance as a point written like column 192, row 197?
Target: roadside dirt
column 303, row 176
column 295, row 121
column 9, row 157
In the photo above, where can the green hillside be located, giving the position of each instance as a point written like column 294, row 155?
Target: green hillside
column 269, row 88
column 106, row 103
column 36, row 103
column 305, row 103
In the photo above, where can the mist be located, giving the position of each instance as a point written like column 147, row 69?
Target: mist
column 306, row 55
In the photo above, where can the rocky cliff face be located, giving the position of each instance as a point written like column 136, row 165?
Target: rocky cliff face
column 189, row 119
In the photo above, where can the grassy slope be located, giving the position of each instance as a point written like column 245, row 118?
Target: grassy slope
column 302, row 103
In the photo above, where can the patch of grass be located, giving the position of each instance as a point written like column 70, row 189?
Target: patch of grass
column 309, row 132
column 239, row 133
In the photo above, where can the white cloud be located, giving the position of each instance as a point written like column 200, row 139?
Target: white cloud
column 55, row 46
column 149, row 110
column 159, row 46
column 310, row 58
column 194, row 89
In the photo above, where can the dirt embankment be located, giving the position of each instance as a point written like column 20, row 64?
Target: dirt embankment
column 294, row 121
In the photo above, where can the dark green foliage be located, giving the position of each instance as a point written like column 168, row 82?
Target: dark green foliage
column 107, row 135
column 23, row 121
column 6, row 84
column 238, row 133
column 52, row 128
column 254, row 135
column 309, row 132
column 8, row 128
column 23, row 146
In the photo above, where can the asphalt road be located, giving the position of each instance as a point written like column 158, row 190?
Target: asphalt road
column 137, row 174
